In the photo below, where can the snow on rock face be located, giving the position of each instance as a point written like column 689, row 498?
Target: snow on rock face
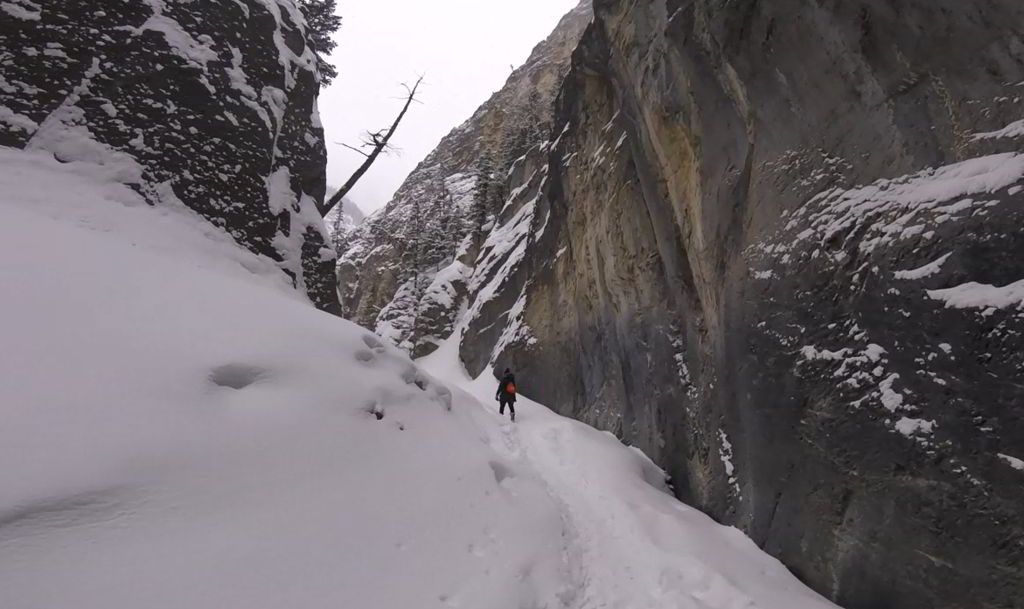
column 401, row 271
column 180, row 429
column 975, row 295
column 891, row 210
column 205, row 101
column 495, row 318
column 922, row 270
column 866, row 227
column 1013, row 462
column 423, row 311
column 725, row 455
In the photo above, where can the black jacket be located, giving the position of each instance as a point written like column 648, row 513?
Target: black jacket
column 502, row 393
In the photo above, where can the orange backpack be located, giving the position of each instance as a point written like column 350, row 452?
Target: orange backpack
column 510, row 389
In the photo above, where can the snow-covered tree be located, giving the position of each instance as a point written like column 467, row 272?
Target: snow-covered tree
column 338, row 226
column 449, row 224
column 485, row 192
column 522, row 132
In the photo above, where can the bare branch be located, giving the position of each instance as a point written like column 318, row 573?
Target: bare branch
column 379, row 141
column 356, row 149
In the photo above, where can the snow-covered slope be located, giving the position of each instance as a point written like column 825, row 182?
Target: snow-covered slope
column 181, row 428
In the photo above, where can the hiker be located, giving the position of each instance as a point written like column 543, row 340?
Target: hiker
column 506, row 394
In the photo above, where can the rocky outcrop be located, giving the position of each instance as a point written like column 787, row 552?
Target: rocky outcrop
column 777, row 246
column 208, row 104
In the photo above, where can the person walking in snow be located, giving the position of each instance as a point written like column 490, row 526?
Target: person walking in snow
column 506, row 394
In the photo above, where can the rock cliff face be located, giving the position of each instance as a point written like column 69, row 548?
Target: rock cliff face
column 208, row 104
column 777, row 245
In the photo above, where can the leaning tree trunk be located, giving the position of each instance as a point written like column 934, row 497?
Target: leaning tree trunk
column 379, row 142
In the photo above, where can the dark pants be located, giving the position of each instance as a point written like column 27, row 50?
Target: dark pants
column 511, row 406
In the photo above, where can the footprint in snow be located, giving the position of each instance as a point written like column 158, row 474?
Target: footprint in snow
column 237, row 376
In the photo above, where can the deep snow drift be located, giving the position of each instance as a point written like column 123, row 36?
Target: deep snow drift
column 182, row 429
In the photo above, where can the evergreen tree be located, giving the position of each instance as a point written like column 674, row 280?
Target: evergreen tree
column 444, row 227
column 340, row 231
column 514, row 145
column 322, row 22
column 413, row 264
column 452, row 224
column 484, row 192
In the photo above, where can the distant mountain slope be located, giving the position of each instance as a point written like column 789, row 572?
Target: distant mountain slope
column 353, row 211
column 396, row 273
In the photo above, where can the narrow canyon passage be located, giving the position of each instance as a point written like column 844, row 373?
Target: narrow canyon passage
column 768, row 251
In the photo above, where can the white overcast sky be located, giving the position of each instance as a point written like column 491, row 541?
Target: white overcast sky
column 464, row 48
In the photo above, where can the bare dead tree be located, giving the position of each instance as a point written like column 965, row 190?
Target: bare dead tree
column 376, row 142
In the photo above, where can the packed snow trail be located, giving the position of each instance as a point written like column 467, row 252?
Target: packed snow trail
column 627, row 542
